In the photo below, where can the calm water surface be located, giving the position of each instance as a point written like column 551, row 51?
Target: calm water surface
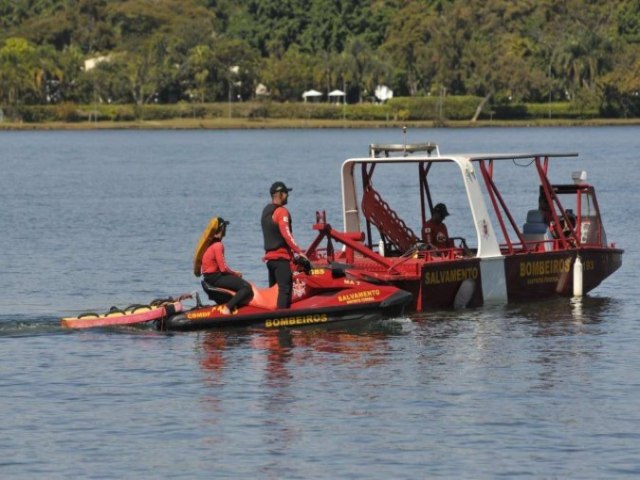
column 94, row 219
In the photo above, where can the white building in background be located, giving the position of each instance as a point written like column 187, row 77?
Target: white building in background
column 262, row 90
column 91, row 63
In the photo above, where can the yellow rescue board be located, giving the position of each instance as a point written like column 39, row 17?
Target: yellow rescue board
column 205, row 240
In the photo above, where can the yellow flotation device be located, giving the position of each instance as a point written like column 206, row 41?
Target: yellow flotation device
column 206, row 239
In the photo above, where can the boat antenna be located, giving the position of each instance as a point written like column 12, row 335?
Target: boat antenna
column 404, row 138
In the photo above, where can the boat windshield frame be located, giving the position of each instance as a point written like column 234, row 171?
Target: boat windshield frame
column 476, row 171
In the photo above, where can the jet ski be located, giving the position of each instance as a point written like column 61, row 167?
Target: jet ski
column 319, row 296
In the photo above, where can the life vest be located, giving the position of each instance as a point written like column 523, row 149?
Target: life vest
column 273, row 239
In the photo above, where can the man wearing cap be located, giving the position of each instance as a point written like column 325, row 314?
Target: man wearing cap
column 434, row 231
column 279, row 245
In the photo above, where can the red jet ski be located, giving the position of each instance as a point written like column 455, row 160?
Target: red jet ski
column 319, row 296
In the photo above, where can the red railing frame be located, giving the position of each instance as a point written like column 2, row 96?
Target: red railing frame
column 496, row 197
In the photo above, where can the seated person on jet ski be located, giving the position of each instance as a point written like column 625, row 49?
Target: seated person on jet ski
column 216, row 273
column 279, row 245
column 434, row 231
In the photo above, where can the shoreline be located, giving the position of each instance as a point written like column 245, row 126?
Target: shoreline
column 246, row 124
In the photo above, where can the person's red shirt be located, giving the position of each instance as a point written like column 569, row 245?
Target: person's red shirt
column 213, row 260
column 436, row 234
column 282, row 218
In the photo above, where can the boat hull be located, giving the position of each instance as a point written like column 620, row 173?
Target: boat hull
column 525, row 277
column 440, row 283
column 522, row 277
column 541, row 275
column 299, row 315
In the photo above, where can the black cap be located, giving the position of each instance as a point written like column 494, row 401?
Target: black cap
column 441, row 208
column 279, row 187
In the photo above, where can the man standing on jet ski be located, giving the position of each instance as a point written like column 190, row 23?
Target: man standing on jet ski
column 279, row 245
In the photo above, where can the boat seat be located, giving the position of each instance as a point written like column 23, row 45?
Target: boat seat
column 266, row 298
column 536, row 229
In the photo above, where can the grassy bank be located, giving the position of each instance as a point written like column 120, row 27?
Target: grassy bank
column 453, row 111
column 243, row 123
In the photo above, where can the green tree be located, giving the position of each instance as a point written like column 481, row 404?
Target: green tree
column 580, row 35
column 60, row 72
column 20, row 72
column 621, row 87
column 147, row 70
column 288, row 77
column 201, row 64
column 108, row 82
column 331, row 23
column 92, row 30
column 449, row 35
column 136, row 21
column 274, row 25
column 628, row 21
column 238, row 63
column 362, row 66
column 407, row 47
column 498, row 49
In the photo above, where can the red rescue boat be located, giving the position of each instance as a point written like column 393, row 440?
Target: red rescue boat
column 550, row 242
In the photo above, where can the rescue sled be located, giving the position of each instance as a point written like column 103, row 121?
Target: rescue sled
column 137, row 313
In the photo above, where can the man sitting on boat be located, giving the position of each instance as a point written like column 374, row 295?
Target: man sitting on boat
column 279, row 245
column 434, row 231
column 544, row 207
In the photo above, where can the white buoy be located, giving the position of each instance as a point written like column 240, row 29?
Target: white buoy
column 381, row 247
column 577, row 277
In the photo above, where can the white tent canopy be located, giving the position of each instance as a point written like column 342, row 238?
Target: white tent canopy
column 336, row 96
column 311, row 94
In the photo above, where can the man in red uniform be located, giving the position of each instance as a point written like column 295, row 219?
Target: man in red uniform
column 434, row 231
column 279, row 245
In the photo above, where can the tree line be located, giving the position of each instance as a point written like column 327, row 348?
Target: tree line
column 169, row 51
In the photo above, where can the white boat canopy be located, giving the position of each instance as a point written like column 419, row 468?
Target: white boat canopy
column 488, row 245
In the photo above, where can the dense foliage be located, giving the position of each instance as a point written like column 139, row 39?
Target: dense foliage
column 585, row 52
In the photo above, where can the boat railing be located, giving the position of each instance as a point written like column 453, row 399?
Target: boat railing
column 537, row 246
column 446, row 254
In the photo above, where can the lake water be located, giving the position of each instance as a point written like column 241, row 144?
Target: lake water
column 94, row 219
